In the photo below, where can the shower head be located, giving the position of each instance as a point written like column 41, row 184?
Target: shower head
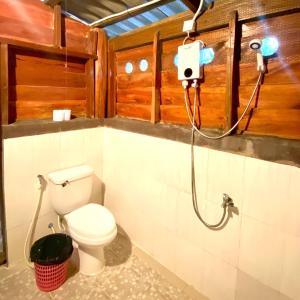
column 255, row 44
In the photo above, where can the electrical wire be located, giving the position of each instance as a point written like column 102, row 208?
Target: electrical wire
column 197, row 13
column 237, row 122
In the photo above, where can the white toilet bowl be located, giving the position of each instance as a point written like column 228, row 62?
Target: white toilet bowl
column 91, row 226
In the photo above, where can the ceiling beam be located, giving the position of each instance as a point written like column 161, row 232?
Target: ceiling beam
column 192, row 4
column 131, row 12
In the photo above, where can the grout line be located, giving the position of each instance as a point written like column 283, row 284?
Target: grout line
column 168, row 275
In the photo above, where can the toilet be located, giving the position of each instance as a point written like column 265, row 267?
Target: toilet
column 91, row 226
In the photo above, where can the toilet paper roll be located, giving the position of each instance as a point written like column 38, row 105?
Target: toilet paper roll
column 58, row 115
column 67, row 114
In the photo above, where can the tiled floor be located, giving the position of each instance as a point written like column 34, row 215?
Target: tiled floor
column 126, row 276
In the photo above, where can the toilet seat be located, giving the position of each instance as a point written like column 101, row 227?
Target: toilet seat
column 92, row 224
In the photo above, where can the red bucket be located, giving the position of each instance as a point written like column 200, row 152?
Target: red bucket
column 51, row 277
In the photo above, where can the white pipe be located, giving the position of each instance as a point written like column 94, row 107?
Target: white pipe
column 29, row 235
column 67, row 14
column 127, row 11
column 198, row 11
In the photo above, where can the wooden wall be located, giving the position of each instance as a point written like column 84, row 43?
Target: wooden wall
column 134, row 90
column 47, row 62
column 275, row 112
column 277, row 109
column 39, row 83
column 32, row 21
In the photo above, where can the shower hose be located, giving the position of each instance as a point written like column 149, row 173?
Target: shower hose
column 191, row 114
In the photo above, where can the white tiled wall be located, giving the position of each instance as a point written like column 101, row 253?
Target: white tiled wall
column 147, row 187
column 255, row 256
column 24, row 159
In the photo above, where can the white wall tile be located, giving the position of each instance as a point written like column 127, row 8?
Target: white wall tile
column 261, row 252
column 24, row 159
column 188, row 226
column 225, row 175
column 290, row 284
column 291, row 204
column 201, row 172
column 72, row 151
column 223, row 242
column 249, row 288
column 15, row 243
column 190, row 263
column 46, row 148
column 16, row 237
column 164, row 246
column 148, row 178
column 219, row 279
column 266, row 186
column 18, row 180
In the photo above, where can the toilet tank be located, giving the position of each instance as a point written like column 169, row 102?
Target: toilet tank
column 70, row 188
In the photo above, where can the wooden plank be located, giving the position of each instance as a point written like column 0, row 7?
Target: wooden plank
column 211, row 19
column 101, row 74
column 210, row 96
column 4, row 82
column 50, row 105
column 279, row 72
column 20, row 30
column 31, row 75
column 76, row 35
column 90, row 85
column 281, row 96
column 57, row 30
column 45, row 93
column 45, row 49
column 112, row 85
column 231, row 72
column 134, row 56
column 209, row 117
column 135, row 111
column 156, row 79
column 33, row 10
column 138, row 95
column 139, row 52
column 32, row 21
column 25, row 58
column 43, row 112
column 92, row 42
column 282, row 123
column 26, row 69
column 140, row 79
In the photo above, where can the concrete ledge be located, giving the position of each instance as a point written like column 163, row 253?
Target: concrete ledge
column 273, row 149
column 36, row 127
column 284, row 151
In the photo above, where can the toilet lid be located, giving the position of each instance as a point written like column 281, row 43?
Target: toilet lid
column 91, row 221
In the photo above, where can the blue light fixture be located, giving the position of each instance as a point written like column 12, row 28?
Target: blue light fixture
column 269, row 46
column 144, row 65
column 128, row 68
column 207, row 55
column 175, row 60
